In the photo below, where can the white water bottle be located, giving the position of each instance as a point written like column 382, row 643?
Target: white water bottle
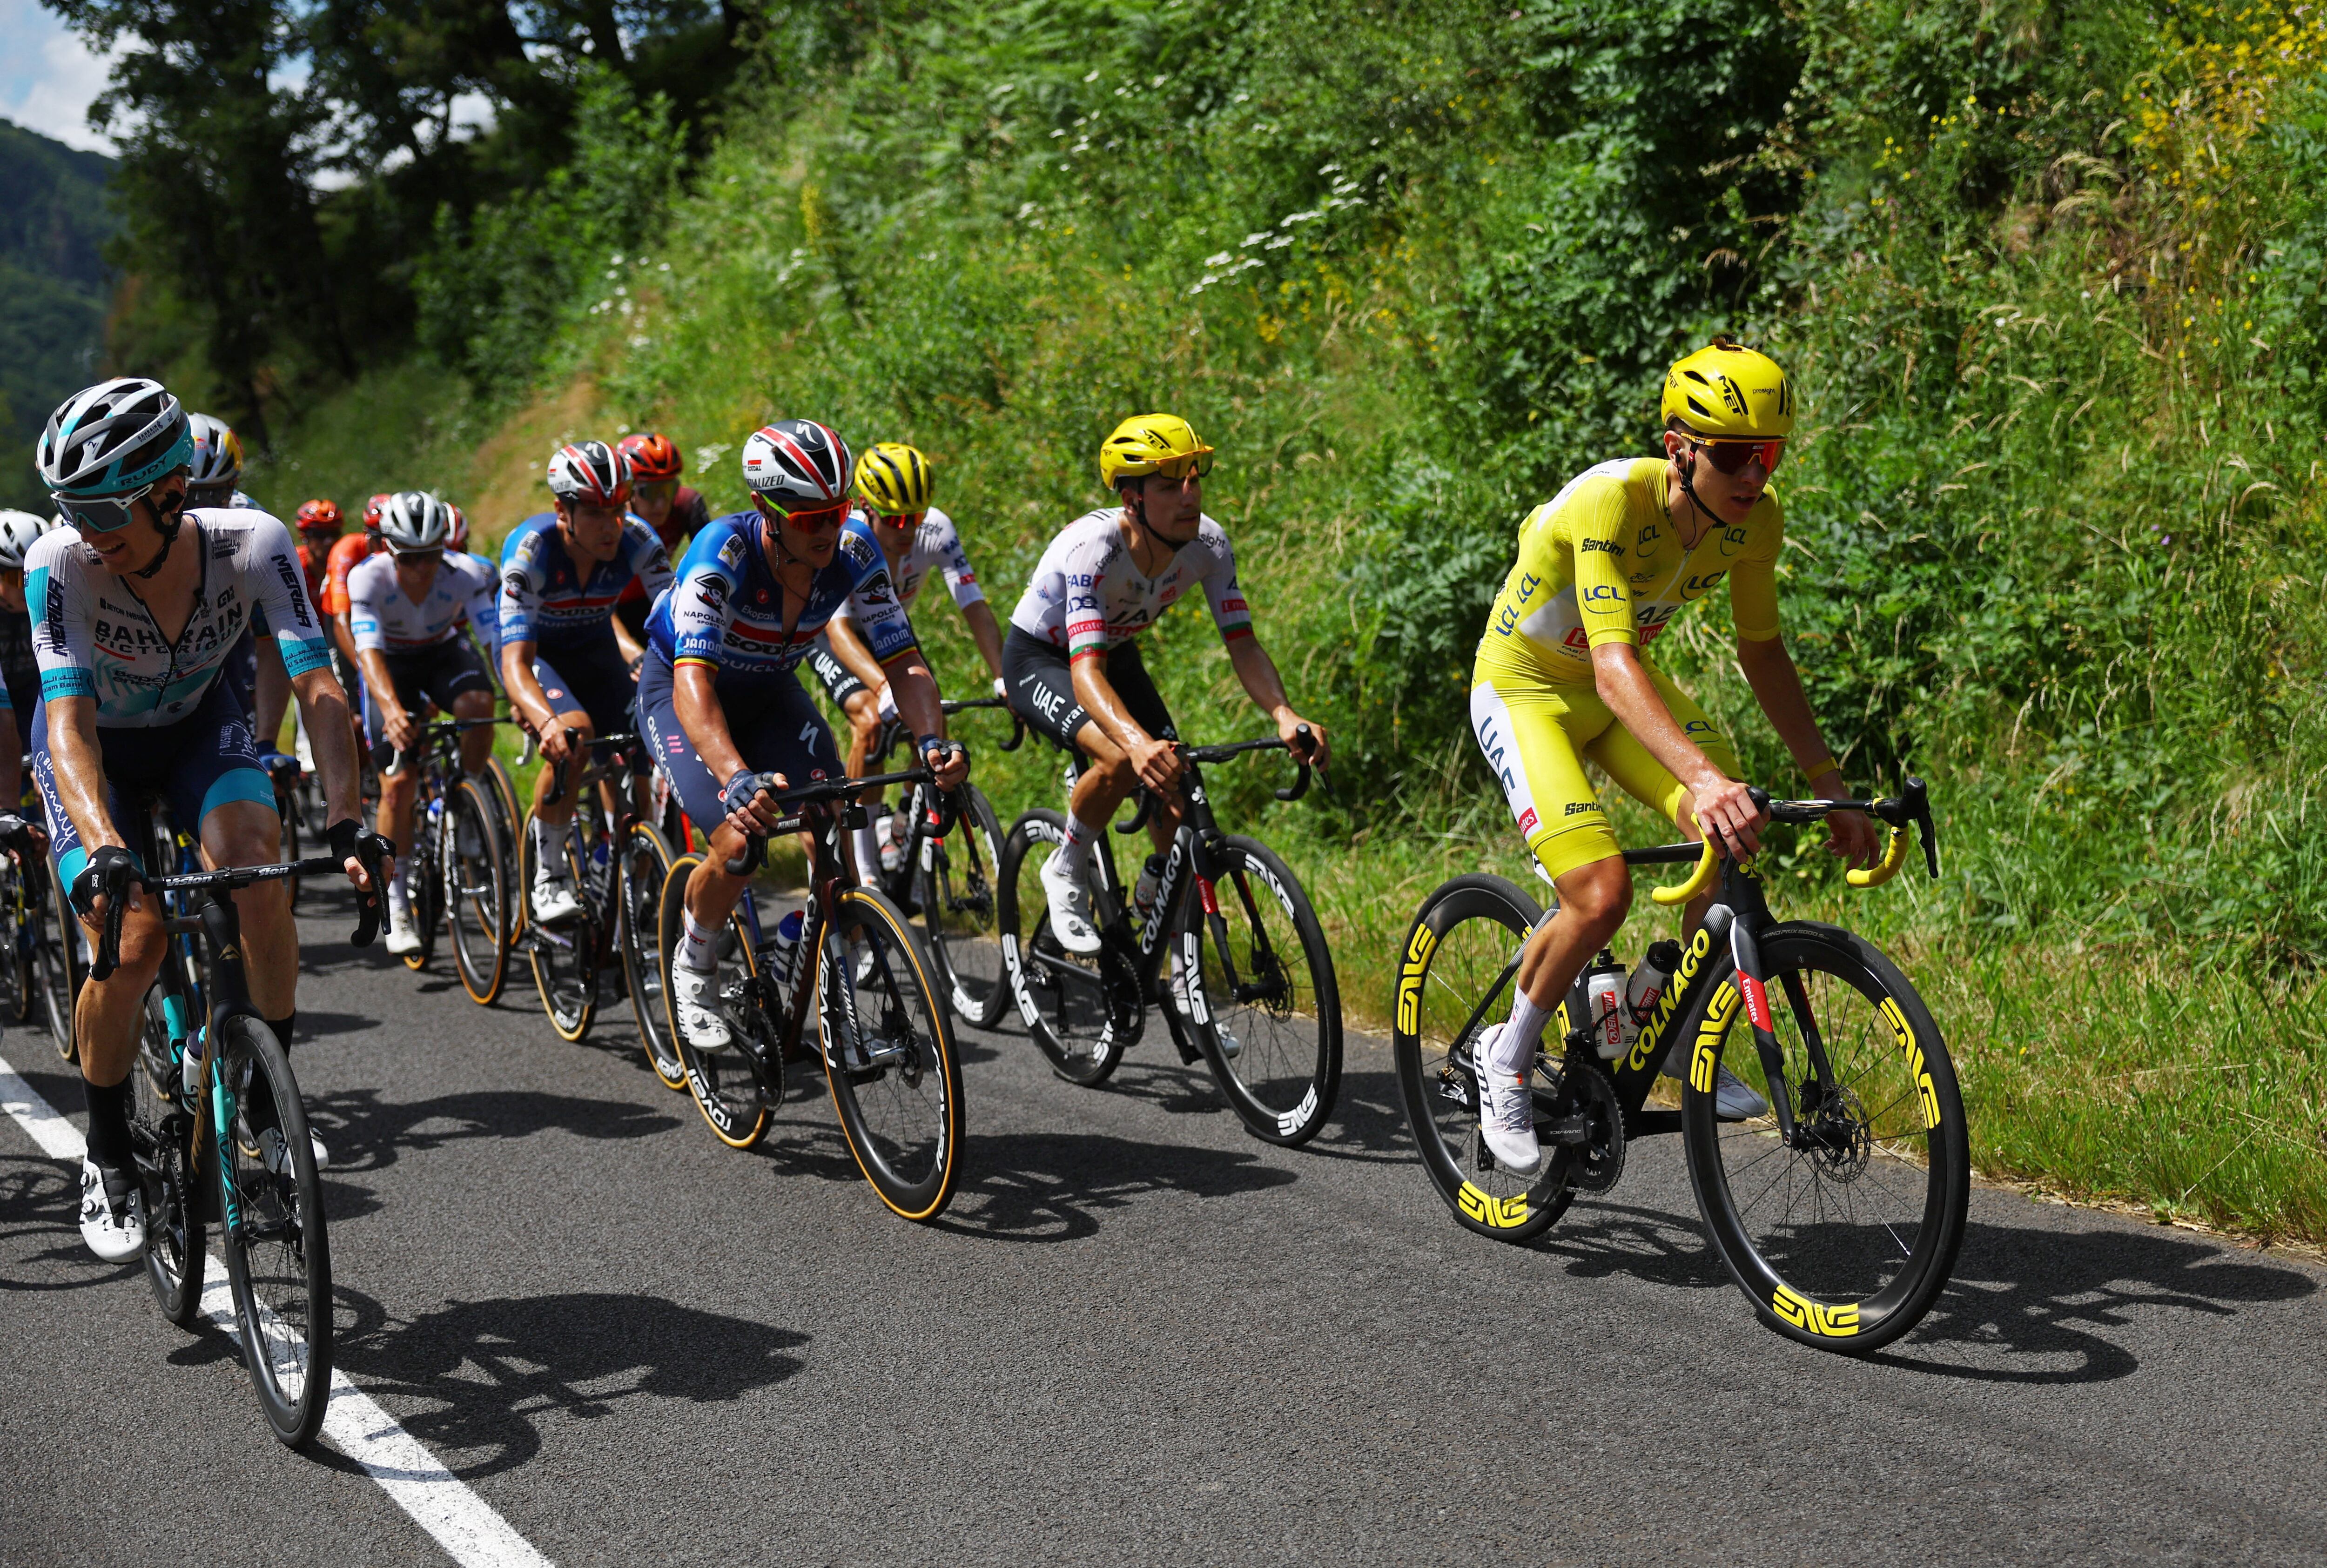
column 1603, row 1007
column 1648, row 984
column 1144, row 892
column 781, row 951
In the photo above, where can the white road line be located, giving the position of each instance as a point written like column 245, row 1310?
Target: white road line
column 461, row 1522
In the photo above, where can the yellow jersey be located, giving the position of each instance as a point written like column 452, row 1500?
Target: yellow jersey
column 1602, row 561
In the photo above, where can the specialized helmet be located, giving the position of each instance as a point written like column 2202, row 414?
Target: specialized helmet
column 796, row 465
column 115, row 438
column 591, row 472
column 1728, row 392
column 653, row 455
column 894, row 478
column 1149, row 443
column 217, row 452
column 456, row 534
column 414, row 520
column 372, row 509
column 17, row 532
column 320, row 516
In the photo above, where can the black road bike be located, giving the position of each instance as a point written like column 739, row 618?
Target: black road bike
column 949, row 876
column 1839, row 1211
column 459, row 875
column 568, row 956
column 887, row 1049
column 220, row 1135
column 1250, row 949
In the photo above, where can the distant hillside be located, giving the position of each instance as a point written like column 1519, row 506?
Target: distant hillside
column 54, row 223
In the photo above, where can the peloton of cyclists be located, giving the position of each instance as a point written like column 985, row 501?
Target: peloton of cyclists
column 893, row 510
column 1072, row 664
column 407, row 607
column 719, row 702
column 135, row 610
column 567, row 662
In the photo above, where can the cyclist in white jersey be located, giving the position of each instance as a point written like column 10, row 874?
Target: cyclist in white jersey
column 916, row 539
column 406, row 607
column 1072, row 664
column 135, row 610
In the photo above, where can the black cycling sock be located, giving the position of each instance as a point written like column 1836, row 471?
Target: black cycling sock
column 108, row 1124
column 283, row 1027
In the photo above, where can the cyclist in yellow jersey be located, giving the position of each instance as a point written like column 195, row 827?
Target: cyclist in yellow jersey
column 1561, row 675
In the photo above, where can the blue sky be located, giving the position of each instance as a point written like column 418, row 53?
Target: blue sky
column 47, row 77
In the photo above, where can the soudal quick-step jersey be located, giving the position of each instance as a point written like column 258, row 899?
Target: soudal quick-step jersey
column 549, row 599
column 726, row 609
column 383, row 617
column 1087, row 593
column 1602, row 561
column 95, row 638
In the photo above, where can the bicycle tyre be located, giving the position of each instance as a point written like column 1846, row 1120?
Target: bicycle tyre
column 174, row 1242
column 23, row 941
column 476, row 893
column 425, row 889
column 1799, row 1285
column 511, row 821
column 646, row 863
column 66, row 964
column 902, row 1113
column 732, row 1098
column 282, row 1289
column 1073, row 1006
column 1281, row 1084
column 960, row 889
column 565, row 957
column 1466, row 931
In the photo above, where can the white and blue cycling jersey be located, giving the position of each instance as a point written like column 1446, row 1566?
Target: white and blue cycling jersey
column 95, row 638
column 726, row 609
column 383, row 617
column 548, row 599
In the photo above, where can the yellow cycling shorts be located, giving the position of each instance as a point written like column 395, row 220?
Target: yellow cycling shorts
column 1535, row 735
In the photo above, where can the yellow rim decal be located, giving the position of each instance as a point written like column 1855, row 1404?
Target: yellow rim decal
column 1499, row 1213
column 1409, row 979
column 1707, row 1055
column 1814, row 1317
column 1925, row 1090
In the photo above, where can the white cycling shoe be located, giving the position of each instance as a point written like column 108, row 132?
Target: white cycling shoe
column 695, row 998
column 1071, row 908
column 1231, row 1047
column 403, row 935
column 1506, row 1111
column 553, row 899
column 275, row 1154
column 1734, row 1100
column 113, row 1226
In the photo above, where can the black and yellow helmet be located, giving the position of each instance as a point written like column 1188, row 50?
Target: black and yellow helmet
column 1149, row 443
column 893, row 478
column 1725, row 391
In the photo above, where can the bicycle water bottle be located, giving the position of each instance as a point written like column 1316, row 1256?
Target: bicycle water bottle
column 1648, row 984
column 1603, row 1005
column 190, row 1066
column 781, row 951
column 1143, row 893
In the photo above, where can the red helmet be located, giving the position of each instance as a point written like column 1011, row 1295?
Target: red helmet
column 590, row 473
column 458, row 537
column 373, row 508
column 653, row 456
column 320, row 516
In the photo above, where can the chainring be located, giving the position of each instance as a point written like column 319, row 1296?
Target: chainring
column 1597, row 1163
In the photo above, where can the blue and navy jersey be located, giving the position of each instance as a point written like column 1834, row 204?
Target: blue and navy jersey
column 726, row 609
column 548, row 599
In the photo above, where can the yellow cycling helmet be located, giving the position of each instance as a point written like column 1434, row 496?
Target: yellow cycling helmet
column 1149, row 443
column 1727, row 392
column 893, row 478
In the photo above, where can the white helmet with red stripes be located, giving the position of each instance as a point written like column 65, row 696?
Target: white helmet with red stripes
column 590, row 473
column 796, row 465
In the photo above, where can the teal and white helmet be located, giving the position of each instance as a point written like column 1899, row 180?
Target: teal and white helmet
column 17, row 532
column 114, row 439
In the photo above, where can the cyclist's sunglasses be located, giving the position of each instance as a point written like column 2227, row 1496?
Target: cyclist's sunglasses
column 1192, row 465
column 655, row 490
column 404, row 555
column 899, row 519
column 100, row 514
column 1732, row 456
column 815, row 522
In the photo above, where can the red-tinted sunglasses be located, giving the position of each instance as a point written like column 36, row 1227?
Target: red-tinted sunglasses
column 1732, row 456
column 815, row 522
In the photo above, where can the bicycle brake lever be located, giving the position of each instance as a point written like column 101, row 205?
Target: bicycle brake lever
column 1919, row 804
column 1017, row 733
column 108, row 945
column 745, row 864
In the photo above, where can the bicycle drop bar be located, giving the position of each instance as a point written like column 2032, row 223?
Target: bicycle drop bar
column 1912, row 806
column 813, row 793
column 108, row 956
column 435, row 729
column 595, row 744
column 1221, row 753
column 950, row 706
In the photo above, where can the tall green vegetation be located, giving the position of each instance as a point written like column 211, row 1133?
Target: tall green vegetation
column 53, row 285
column 2047, row 276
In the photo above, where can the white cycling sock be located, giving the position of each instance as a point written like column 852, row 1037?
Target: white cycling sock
column 549, row 859
column 1516, row 1049
column 399, row 879
column 1075, row 853
column 868, row 850
column 697, row 945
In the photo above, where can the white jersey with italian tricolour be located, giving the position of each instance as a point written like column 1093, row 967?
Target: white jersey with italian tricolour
column 95, row 638
column 937, row 547
column 1087, row 594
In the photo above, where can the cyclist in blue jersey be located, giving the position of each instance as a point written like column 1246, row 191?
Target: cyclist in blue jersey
column 135, row 610
column 405, row 608
column 20, row 669
column 718, row 701
column 567, row 663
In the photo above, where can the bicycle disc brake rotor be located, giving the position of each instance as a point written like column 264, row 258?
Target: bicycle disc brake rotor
column 1837, row 1138
column 1586, row 1105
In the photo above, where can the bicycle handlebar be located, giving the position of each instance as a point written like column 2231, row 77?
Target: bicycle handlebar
column 950, row 706
column 593, row 745
column 1302, row 738
column 1912, row 806
column 436, row 730
column 108, row 956
column 817, row 792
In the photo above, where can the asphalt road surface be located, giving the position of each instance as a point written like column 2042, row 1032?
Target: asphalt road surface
column 1139, row 1336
